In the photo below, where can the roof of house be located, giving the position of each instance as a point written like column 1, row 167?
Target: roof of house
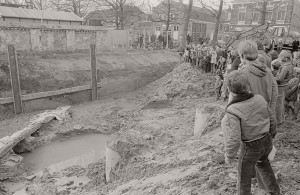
column 12, row 12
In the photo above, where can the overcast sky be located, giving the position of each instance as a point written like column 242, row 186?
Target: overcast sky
column 156, row 2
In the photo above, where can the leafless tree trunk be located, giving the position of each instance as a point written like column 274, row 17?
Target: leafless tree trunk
column 186, row 24
column 218, row 19
column 264, row 12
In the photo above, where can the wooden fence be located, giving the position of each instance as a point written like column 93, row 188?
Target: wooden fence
column 18, row 99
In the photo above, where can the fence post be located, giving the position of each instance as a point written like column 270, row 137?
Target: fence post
column 15, row 79
column 144, row 39
column 93, row 72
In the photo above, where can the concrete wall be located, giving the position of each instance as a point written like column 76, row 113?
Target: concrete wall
column 21, row 38
column 47, row 37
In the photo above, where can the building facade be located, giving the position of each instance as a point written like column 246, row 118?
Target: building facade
column 201, row 24
column 29, row 16
column 108, row 19
column 282, row 14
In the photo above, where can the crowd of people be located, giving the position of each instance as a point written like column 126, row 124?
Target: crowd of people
column 220, row 61
column 260, row 85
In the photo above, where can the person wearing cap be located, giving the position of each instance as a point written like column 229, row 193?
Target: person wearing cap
column 249, row 123
column 285, row 73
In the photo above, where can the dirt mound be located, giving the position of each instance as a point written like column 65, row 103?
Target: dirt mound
column 183, row 81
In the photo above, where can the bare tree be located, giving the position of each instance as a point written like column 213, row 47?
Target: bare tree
column 119, row 11
column 78, row 7
column 38, row 4
column 217, row 13
column 31, row 4
column 186, row 24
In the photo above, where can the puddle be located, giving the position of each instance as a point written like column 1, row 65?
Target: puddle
column 78, row 150
column 159, row 104
column 21, row 192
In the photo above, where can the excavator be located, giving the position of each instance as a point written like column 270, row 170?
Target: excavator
column 268, row 35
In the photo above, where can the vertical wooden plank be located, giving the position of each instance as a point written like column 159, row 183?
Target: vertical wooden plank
column 144, row 39
column 15, row 80
column 93, row 72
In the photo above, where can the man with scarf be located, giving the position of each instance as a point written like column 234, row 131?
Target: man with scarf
column 250, row 123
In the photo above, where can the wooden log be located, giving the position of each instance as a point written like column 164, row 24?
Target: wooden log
column 94, row 73
column 20, row 135
column 8, row 143
column 15, row 80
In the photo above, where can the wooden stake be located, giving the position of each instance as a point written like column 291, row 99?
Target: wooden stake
column 94, row 72
column 15, row 79
column 144, row 44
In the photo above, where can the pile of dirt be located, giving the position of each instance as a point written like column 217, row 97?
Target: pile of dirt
column 183, row 81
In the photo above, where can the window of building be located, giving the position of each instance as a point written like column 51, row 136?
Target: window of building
column 242, row 17
column 229, row 16
column 269, row 15
column 255, row 16
column 242, row 14
column 176, row 28
column 157, row 28
column 281, row 13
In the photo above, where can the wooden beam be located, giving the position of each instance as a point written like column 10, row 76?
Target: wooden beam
column 46, row 94
column 93, row 72
column 15, row 79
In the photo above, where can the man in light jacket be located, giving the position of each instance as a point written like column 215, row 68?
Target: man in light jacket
column 260, row 77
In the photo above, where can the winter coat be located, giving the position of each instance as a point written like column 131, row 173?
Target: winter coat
column 265, row 58
column 285, row 73
column 296, row 63
column 235, row 64
column 246, row 121
column 213, row 57
column 261, row 81
column 292, row 90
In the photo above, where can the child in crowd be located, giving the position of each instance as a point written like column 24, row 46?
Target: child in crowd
column 193, row 57
column 218, row 84
column 221, row 63
column 186, row 55
column 213, row 61
column 180, row 52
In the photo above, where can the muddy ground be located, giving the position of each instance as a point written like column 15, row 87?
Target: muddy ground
column 171, row 159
